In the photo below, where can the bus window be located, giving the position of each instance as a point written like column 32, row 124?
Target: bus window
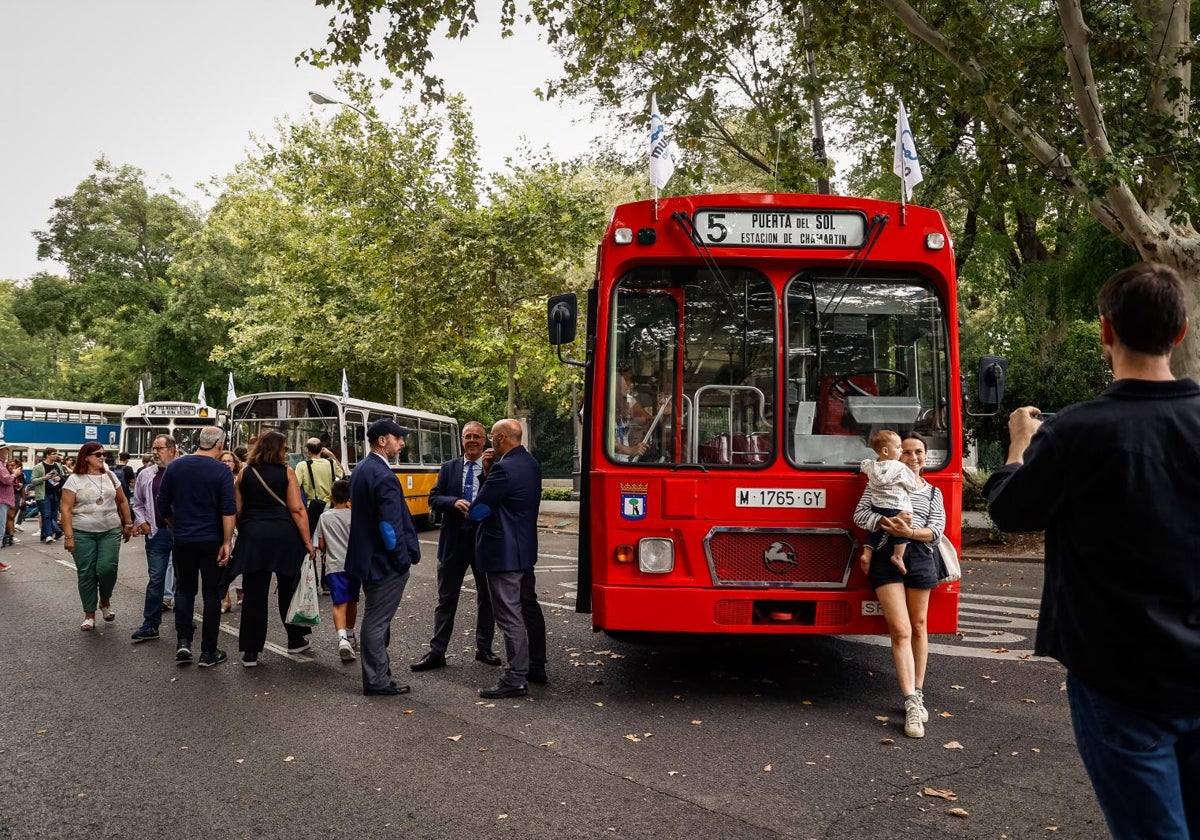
column 356, row 433
column 431, row 447
column 863, row 357
column 715, row 405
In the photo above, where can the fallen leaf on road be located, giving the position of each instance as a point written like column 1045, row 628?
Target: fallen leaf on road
column 1000, row 650
column 1034, row 749
column 881, row 718
column 547, row 744
column 953, row 745
column 1052, row 828
column 959, row 812
column 813, row 763
column 1029, row 701
column 886, row 741
column 958, row 687
column 767, row 769
column 945, row 714
column 502, row 816
column 948, row 795
column 408, row 711
column 483, row 749
column 453, row 737
column 290, row 758
column 595, row 682
column 634, row 738
column 805, row 702
column 672, row 772
column 597, row 703
column 489, row 705
column 42, row 731
column 697, row 722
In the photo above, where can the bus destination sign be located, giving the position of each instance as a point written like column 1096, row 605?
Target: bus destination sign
column 161, row 410
column 781, row 228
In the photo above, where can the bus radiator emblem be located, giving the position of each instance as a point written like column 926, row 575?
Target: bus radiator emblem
column 780, row 558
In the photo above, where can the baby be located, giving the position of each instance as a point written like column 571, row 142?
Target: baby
column 890, row 483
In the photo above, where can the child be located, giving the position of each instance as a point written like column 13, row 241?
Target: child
column 331, row 538
column 890, row 482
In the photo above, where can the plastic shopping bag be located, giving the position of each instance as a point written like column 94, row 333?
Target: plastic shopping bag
column 303, row 608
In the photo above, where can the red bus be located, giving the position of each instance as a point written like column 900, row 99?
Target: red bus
column 741, row 350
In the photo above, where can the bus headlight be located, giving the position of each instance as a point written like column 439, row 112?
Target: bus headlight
column 623, row 236
column 935, row 241
column 656, row 555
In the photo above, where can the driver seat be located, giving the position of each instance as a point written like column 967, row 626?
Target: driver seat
column 831, row 409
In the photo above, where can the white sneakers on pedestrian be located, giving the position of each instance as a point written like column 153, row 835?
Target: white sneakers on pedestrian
column 924, row 711
column 914, row 727
column 346, row 650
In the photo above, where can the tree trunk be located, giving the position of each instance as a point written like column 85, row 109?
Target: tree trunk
column 1181, row 254
column 512, row 384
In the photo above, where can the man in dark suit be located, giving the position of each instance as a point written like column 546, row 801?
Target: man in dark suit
column 506, row 544
column 383, row 544
column 457, row 485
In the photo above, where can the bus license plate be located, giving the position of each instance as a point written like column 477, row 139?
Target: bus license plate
column 766, row 497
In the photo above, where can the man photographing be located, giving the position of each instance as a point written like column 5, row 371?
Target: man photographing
column 1115, row 483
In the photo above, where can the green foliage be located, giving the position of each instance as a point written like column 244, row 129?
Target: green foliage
column 29, row 360
column 556, row 494
column 119, row 309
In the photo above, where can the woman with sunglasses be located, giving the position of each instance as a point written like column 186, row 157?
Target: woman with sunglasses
column 95, row 519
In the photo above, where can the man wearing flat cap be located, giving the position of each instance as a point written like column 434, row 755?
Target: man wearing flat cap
column 383, row 544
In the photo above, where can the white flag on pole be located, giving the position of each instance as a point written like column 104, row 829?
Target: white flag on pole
column 200, row 398
column 141, row 392
column 230, row 394
column 906, row 166
column 345, row 386
column 663, row 150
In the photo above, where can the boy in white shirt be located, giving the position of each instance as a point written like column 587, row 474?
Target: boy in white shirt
column 891, row 482
column 331, row 539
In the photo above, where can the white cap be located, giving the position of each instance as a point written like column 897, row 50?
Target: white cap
column 3, row 444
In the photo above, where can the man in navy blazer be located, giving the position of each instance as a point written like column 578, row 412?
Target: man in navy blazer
column 457, row 485
column 383, row 544
column 506, row 544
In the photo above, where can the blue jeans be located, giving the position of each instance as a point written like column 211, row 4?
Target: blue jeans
column 48, row 508
column 158, row 560
column 1145, row 769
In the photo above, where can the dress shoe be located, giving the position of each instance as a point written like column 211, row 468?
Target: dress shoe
column 429, row 661
column 389, row 690
column 500, row 690
column 537, row 675
column 487, row 657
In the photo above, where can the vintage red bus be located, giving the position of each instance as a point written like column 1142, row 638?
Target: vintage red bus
column 741, row 349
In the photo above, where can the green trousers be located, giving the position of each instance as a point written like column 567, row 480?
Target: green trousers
column 96, row 555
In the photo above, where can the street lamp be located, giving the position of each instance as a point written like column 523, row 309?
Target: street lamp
column 322, row 99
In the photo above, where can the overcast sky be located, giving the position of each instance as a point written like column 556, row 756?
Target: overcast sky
column 176, row 88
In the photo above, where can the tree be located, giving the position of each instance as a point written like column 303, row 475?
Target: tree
column 1024, row 140
column 118, row 306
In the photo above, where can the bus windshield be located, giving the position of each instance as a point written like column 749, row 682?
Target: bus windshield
column 863, row 355
column 695, row 368
column 297, row 418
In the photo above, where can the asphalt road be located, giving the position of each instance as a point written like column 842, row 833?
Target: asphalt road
column 667, row 738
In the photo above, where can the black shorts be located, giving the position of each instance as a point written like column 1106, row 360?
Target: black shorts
column 918, row 559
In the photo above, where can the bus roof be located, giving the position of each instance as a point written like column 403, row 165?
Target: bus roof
column 349, row 403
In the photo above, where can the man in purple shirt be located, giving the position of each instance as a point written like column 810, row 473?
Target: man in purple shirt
column 149, row 522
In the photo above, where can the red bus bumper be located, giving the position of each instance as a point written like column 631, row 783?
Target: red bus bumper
column 745, row 611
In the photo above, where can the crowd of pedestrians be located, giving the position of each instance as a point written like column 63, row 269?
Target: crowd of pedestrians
column 226, row 522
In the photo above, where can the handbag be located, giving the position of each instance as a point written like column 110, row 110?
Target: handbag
column 303, row 609
column 949, row 569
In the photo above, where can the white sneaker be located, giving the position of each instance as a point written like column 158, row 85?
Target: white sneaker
column 924, row 711
column 346, row 650
column 914, row 727
column 48, row 540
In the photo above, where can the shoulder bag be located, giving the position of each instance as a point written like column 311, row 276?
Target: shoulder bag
column 949, row 569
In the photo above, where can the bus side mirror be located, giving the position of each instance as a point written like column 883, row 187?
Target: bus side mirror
column 992, row 373
column 562, row 313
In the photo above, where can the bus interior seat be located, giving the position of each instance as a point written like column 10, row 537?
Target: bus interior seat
column 831, row 409
column 752, row 449
column 716, row 451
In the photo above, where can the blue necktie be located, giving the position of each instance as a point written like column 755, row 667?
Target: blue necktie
column 469, row 484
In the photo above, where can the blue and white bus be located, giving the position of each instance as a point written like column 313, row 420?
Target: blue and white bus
column 29, row 425
column 183, row 421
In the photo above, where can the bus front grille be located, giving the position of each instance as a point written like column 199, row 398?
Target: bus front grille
column 780, row 557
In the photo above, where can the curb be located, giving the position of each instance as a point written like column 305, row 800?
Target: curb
column 1004, row 558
